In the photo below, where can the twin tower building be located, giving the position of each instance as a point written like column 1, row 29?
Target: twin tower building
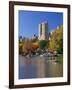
column 43, row 31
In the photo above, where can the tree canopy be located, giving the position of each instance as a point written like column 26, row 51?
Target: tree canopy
column 56, row 40
column 42, row 44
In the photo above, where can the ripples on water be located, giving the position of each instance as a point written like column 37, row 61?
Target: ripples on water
column 39, row 67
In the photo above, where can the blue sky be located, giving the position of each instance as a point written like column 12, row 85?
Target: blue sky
column 29, row 20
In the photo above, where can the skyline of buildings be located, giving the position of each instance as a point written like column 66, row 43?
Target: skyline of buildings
column 29, row 20
column 43, row 32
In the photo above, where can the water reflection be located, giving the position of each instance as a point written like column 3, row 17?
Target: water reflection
column 39, row 67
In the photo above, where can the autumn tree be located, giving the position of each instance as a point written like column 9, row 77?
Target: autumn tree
column 26, row 46
column 56, row 40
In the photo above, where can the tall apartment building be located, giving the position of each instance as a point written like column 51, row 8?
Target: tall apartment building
column 43, row 31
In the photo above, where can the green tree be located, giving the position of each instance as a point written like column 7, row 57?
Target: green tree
column 60, row 48
column 42, row 44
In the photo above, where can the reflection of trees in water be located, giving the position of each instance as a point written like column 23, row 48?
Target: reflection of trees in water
column 39, row 67
column 54, row 68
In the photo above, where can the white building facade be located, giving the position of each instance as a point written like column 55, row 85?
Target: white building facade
column 43, row 31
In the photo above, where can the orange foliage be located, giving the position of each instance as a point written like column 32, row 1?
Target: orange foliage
column 34, row 47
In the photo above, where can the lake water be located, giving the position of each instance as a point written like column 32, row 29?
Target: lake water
column 40, row 67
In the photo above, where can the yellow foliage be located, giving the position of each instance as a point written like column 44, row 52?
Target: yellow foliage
column 56, row 36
